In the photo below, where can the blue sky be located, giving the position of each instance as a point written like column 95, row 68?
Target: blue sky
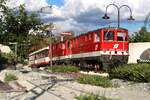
column 56, row 2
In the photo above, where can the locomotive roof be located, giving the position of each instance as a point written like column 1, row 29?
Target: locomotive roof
column 114, row 28
column 106, row 28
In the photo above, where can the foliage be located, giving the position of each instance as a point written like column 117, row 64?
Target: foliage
column 39, row 41
column 41, row 36
column 141, row 36
column 64, row 68
column 133, row 72
column 91, row 96
column 7, row 58
column 95, row 80
column 10, row 77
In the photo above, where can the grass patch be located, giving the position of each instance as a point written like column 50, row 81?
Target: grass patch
column 95, row 80
column 91, row 96
column 10, row 77
column 133, row 72
column 64, row 68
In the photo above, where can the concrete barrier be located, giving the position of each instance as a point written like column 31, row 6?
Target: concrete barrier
column 139, row 51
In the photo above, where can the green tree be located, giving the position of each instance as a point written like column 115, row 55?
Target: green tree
column 42, row 37
column 15, row 25
column 142, row 36
column 39, row 41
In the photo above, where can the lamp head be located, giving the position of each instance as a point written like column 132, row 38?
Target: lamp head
column 105, row 17
column 131, row 18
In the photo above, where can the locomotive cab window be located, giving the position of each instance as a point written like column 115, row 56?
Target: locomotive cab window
column 121, row 36
column 109, row 35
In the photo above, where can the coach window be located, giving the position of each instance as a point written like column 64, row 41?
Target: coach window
column 46, row 52
column 53, row 47
column 73, row 43
column 32, row 57
column 85, row 38
column 90, row 37
column 121, row 36
column 63, row 46
column 97, row 37
column 109, row 35
column 56, row 47
column 76, row 43
column 69, row 45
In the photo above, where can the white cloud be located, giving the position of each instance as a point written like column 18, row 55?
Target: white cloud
column 31, row 5
column 80, row 15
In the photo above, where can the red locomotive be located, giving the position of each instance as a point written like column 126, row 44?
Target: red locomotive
column 95, row 49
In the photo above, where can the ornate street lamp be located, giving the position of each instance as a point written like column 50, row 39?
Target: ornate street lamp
column 118, row 9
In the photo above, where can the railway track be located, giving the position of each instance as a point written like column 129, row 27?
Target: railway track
column 40, row 89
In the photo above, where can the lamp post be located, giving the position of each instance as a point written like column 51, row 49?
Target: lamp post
column 14, row 43
column 118, row 9
column 50, row 45
column 48, row 9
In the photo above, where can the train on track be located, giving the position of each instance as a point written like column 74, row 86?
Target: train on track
column 96, row 49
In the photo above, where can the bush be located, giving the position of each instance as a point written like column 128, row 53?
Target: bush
column 91, row 97
column 95, row 80
column 133, row 72
column 64, row 68
column 7, row 60
column 10, row 77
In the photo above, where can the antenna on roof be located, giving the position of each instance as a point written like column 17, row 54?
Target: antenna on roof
column 109, row 25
